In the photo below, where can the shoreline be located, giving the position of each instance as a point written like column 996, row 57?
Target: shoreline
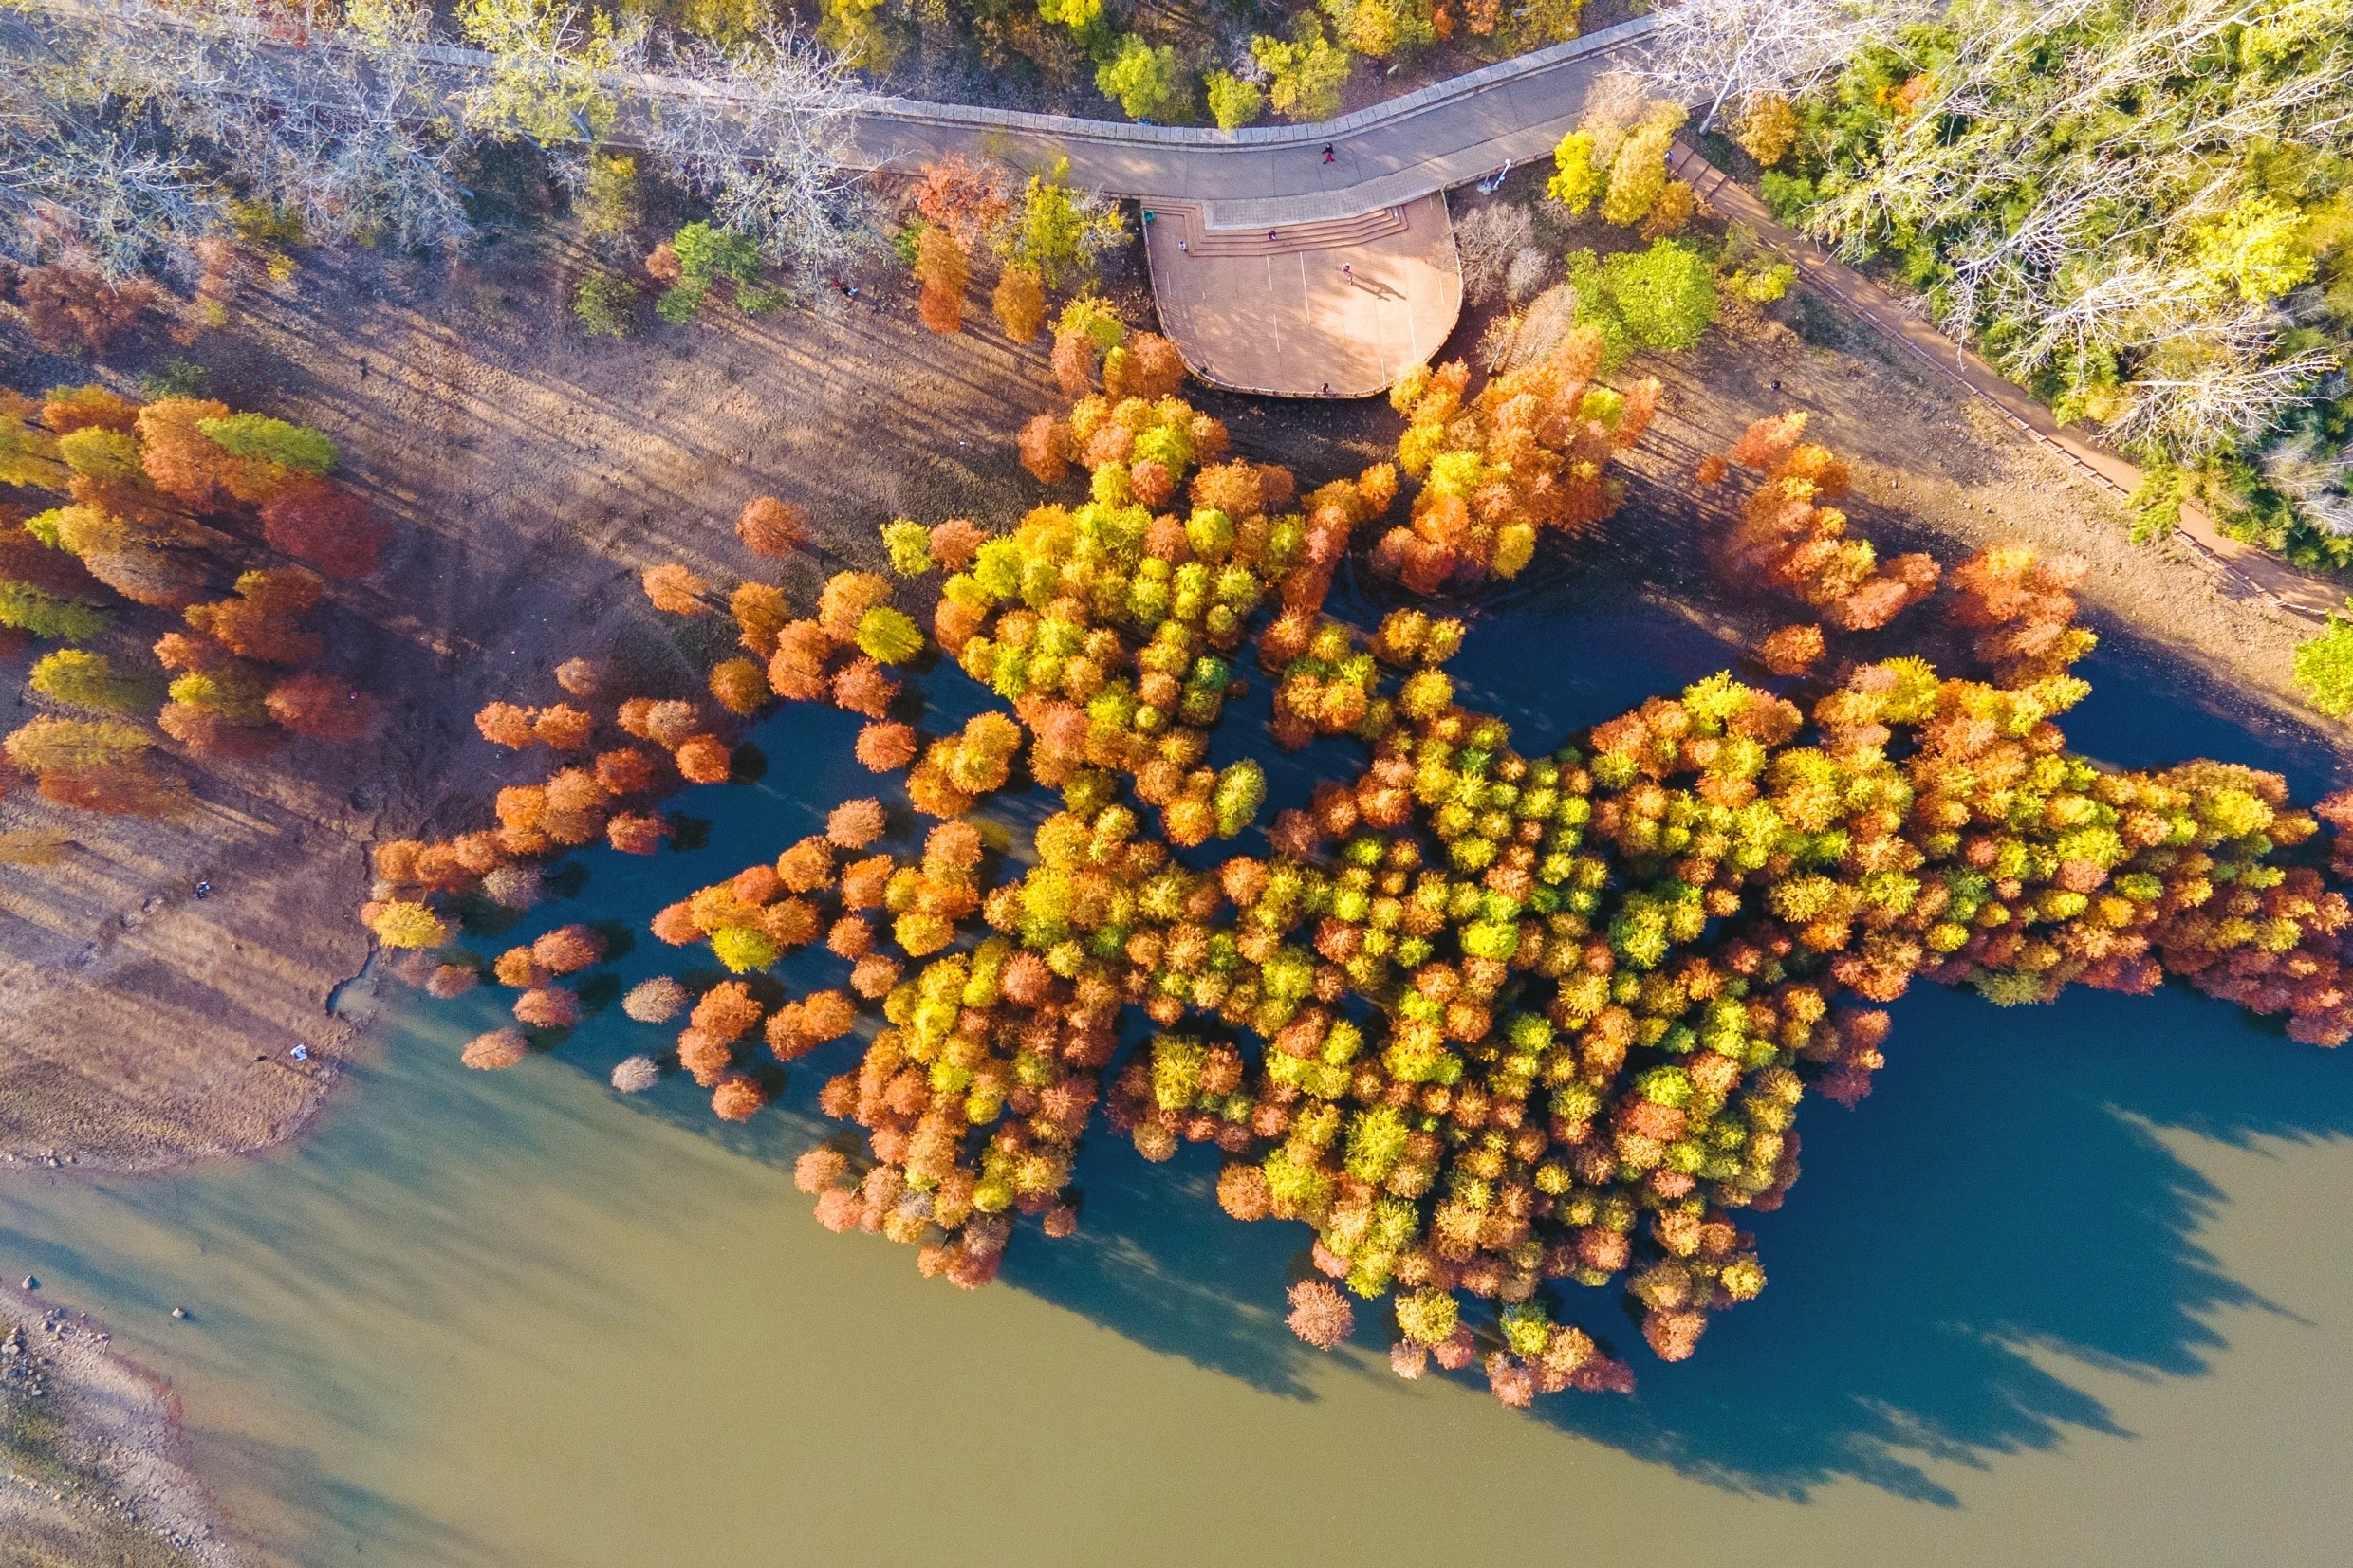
column 119, row 960
column 1933, row 469
column 93, row 1464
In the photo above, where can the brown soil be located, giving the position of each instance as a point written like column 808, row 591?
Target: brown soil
column 532, row 473
column 92, row 1468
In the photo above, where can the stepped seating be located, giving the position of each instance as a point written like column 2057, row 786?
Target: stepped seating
column 1320, row 234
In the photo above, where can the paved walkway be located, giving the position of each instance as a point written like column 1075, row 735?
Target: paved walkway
column 1402, row 155
column 1262, row 176
column 1360, row 279
column 1344, row 323
column 1335, row 308
column 2246, row 571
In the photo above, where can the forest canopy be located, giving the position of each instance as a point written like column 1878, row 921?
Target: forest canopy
column 2141, row 210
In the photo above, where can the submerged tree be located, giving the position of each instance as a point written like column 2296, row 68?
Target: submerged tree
column 1489, row 1021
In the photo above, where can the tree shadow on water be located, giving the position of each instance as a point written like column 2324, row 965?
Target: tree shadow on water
column 1157, row 1260
column 2002, row 1205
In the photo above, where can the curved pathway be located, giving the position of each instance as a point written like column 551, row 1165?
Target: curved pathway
column 1292, row 261
column 1396, row 157
column 1351, row 309
column 1443, row 136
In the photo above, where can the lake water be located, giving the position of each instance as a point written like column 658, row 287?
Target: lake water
column 2068, row 1288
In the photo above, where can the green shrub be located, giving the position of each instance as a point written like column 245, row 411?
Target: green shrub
column 174, row 378
column 1660, row 298
column 608, row 201
column 2324, row 667
column 707, row 253
column 257, row 435
column 907, row 242
column 605, row 306
column 1233, row 103
column 1789, row 195
column 1144, row 80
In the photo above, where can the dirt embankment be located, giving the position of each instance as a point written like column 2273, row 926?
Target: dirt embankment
column 157, row 978
column 92, row 1466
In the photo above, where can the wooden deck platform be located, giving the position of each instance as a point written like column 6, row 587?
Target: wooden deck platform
column 1336, row 307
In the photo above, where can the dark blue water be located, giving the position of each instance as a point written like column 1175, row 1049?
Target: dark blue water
column 2065, row 1288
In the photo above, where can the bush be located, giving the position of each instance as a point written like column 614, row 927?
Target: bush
column 605, row 306
column 608, row 202
column 1144, row 80
column 263, row 439
column 705, row 255
column 1788, row 195
column 1233, row 103
column 1660, row 298
column 174, row 379
column 2324, row 667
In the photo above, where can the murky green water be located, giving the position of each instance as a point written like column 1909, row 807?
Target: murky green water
column 2069, row 1288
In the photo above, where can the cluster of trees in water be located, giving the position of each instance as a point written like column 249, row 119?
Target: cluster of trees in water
column 1490, row 1022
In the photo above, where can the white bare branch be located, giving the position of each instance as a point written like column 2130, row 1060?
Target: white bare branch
column 765, row 132
column 1720, row 52
column 339, row 121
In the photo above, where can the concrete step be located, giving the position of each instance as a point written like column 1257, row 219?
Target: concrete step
column 1315, row 234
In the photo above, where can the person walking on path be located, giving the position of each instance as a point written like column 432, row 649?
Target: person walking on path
column 1327, row 152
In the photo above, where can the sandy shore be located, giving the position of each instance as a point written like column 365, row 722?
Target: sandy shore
column 93, row 1468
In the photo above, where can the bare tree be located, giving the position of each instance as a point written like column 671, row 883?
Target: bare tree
column 2319, row 479
column 2220, row 380
column 764, row 131
column 82, row 180
column 334, row 114
column 2083, row 249
column 1720, row 52
column 1488, row 238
